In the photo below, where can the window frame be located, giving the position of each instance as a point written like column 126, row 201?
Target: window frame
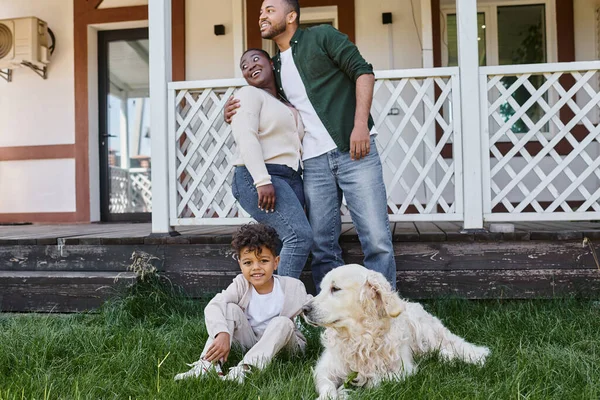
column 490, row 10
column 316, row 14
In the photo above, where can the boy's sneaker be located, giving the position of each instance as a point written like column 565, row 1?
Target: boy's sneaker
column 200, row 368
column 238, row 374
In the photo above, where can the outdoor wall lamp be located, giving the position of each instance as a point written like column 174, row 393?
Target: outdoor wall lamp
column 219, row 30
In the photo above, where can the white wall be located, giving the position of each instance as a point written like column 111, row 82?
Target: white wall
column 585, row 29
column 37, row 186
column 372, row 37
column 34, row 111
column 586, row 42
column 208, row 56
column 211, row 57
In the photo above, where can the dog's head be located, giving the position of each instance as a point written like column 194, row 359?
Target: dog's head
column 350, row 295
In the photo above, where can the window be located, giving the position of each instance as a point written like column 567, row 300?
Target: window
column 509, row 33
column 305, row 25
column 522, row 34
column 452, row 43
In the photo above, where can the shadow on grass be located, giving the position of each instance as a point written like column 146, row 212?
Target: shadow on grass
column 152, row 301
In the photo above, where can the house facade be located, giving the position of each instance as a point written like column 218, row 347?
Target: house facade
column 486, row 111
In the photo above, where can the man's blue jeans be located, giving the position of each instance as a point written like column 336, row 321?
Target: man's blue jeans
column 326, row 179
column 289, row 218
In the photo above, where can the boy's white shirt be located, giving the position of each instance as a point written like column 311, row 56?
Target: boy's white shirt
column 239, row 292
column 262, row 308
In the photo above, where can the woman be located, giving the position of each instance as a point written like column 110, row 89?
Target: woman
column 267, row 179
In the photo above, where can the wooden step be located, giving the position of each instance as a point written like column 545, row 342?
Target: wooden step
column 58, row 291
column 79, row 277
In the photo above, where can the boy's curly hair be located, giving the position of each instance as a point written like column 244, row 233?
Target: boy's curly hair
column 254, row 236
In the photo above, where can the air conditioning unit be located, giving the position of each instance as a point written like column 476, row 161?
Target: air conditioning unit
column 24, row 41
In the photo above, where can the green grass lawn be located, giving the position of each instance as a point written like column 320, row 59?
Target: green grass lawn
column 540, row 350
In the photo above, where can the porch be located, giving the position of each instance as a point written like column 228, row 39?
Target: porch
column 462, row 146
column 64, row 268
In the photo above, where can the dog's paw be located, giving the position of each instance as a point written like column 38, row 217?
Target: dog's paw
column 473, row 355
column 480, row 355
column 332, row 394
column 359, row 381
column 343, row 393
column 327, row 396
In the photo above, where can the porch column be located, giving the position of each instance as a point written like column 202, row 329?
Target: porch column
column 468, row 62
column 426, row 34
column 427, row 62
column 160, row 64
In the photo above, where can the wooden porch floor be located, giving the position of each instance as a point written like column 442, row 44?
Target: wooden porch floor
column 140, row 233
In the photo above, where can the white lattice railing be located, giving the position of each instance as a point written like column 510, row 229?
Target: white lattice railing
column 201, row 149
column 417, row 116
column 541, row 141
column 130, row 190
column 416, row 113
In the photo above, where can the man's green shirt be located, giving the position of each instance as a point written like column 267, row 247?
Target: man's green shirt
column 329, row 65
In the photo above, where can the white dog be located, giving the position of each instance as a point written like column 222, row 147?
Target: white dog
column 372, row 334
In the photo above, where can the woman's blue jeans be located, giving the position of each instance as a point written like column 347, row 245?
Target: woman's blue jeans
column 289, row 218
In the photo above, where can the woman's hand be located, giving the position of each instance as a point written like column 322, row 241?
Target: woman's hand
column 219, row 349
column 230, row 107
column 266, row 197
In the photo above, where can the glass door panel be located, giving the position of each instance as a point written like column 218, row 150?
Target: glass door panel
column 125, row 151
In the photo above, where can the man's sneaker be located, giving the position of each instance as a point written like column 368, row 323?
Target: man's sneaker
column 238, row 374
column 200, row 368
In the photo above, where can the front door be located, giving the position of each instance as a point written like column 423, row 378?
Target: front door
column 125, row 158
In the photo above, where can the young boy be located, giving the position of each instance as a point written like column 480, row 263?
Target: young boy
column 257, row 310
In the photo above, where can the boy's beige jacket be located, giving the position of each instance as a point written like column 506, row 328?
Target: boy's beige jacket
column 238, row 292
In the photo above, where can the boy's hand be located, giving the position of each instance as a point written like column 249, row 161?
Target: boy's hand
column 230, row 107
column 266, row 197
column 219, row 349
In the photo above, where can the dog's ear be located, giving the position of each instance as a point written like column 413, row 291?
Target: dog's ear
column 378, row 290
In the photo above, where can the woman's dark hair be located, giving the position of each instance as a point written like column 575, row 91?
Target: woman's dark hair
column 253, row 237
column 260, row 51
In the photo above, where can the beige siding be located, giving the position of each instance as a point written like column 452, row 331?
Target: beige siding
column 585, row 30
column 372, row 37
column 34, row 112
column 208, row 56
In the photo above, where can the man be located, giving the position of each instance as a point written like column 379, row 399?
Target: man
column 321, row 73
